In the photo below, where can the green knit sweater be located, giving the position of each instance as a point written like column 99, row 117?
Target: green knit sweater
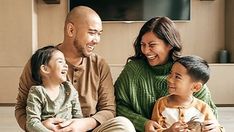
column 140, row 85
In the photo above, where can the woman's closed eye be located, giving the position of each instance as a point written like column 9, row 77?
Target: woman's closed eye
column 152, row 45
column 149, row 44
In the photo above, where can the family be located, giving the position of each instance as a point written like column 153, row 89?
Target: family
column 67, row 87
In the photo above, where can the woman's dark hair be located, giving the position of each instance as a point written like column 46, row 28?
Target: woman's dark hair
column 41, row 57
column 197, row 68
column 164, row 29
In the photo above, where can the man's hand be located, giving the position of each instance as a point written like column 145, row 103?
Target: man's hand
column 52, row 123
column 78, row 125
column 151, row 126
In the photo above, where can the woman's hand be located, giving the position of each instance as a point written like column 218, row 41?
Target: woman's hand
column 151, row 126
column 210, row 126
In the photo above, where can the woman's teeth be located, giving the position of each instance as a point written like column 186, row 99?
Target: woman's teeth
column 151, row 56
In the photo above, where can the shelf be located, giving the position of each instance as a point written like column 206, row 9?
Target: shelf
column 52, row 1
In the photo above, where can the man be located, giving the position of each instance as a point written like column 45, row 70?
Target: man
column 89, row 74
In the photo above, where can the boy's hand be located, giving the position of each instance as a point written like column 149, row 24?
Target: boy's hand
column 178, row 127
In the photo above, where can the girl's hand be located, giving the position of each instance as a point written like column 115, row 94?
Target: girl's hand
column 52, row 123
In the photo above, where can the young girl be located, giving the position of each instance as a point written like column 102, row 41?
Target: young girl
column 53, row 97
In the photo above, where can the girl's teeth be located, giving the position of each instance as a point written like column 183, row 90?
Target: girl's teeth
column 91, row 47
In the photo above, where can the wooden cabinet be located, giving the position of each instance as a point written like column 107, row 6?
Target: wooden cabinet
column 221, row 83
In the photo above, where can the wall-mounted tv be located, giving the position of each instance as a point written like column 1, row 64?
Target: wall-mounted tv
column 137, row 10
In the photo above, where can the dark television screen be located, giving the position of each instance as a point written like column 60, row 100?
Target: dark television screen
column 137, row 10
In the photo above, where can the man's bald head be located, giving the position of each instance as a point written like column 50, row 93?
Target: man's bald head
column 82, row 30
column 80, row 15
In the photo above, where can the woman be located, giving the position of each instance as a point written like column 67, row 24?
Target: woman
column 143, row 79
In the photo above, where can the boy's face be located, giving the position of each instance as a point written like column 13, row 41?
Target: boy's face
column 179, row 82
column 57, row 68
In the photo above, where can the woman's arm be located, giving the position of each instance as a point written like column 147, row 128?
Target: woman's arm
column 123, row 99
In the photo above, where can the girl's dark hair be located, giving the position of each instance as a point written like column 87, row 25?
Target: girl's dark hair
column 197, row 68
column 164, row 29
column 41, row 57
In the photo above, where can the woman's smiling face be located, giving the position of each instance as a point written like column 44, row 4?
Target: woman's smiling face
column 155, row 50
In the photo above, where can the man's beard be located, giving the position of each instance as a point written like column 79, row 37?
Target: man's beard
column 80, row 50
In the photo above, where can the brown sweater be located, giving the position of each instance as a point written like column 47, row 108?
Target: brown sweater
column 93, row 81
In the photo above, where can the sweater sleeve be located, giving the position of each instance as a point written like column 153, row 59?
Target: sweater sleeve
column 156, row 113
column 122, row 86
column 204, row 95
column 210, row 116
column 33, row 110
column 106, row 107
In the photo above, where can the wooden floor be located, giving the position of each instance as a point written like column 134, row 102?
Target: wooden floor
column 8, row 122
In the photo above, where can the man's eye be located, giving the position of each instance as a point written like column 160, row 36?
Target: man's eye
column 92, row 33
column 99, row 33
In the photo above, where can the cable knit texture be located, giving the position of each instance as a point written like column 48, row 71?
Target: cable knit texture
column 140, row 85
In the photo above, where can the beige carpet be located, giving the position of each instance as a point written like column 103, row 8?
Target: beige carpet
column 8, row 122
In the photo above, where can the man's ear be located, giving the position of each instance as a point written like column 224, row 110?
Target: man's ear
column 70, row 29
column 197, row 86
column 44, row 69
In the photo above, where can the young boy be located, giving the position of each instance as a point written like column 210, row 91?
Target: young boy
column 180, row 110
column 53, row 97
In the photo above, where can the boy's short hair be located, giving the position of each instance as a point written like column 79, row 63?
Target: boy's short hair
column 197, row 68
column 41, row 57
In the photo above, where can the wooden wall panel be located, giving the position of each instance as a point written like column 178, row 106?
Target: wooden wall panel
column 221, row 83
column 9, row 84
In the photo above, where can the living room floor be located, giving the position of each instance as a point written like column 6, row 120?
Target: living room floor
column 8, row 122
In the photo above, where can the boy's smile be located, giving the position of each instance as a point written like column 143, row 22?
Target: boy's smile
column 178, row 81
